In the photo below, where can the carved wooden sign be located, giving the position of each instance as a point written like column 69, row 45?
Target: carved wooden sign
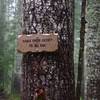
column 37, row 43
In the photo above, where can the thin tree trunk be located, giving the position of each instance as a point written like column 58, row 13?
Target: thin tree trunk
column 81, row 52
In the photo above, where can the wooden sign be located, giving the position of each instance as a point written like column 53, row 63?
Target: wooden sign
column 37, row 43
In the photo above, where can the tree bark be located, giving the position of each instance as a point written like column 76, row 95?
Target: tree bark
column 92, row 51
column 51, row 72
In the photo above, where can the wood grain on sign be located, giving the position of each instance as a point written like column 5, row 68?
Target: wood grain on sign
column 37, row 43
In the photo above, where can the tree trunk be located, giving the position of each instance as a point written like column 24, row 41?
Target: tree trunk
column 92, row 52
column 51, row 73
column 2, row 33
column 81, row 52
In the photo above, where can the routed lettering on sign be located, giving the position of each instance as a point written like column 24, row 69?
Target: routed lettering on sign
column 37, row 43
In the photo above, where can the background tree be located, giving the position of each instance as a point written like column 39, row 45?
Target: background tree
column 2, row 40
column 53, row 72
column 81, row 51
column 9, row 28
column 9, row 50
column 77, row 32
column 92, row 53
column 16, row 75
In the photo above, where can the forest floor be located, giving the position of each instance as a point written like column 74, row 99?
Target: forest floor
column 3, row 96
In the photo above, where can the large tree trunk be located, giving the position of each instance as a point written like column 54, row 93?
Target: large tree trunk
column 92, row 86
column 51, row 72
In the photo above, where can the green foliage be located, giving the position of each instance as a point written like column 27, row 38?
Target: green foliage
column 8, row 32
column 2, row 42
column 81, row 98
column 14, row 97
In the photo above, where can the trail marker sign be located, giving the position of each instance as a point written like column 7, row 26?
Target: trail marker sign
column 37, row 43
